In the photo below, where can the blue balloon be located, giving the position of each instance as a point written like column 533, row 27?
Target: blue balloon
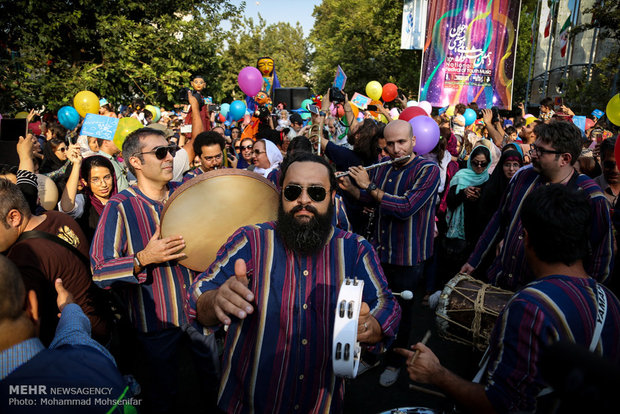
column 237, row 110
column 470, row 116
column 68, row 117
column 224, row 108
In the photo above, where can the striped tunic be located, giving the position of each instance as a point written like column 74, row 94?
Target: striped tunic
column 278, row 359
column 154, row 297
column 406, row 215
column 509, row 269
column 551, row 309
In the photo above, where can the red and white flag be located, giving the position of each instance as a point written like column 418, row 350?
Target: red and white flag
column 564, row 36
column 549, row 18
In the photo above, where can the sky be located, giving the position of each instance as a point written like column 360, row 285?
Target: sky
column 274, row 11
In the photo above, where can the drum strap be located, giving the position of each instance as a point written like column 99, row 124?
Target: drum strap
column 601, row 315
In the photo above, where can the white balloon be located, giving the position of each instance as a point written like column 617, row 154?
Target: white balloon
column 412, row 103
column 426, row 106
column 394, row 113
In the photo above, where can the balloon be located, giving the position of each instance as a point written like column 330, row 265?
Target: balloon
column 125, row 126
column 394, row 113
column 68, row 117
column 222, row 118
column 426, row 106
column 426, row 132
column 412, row 103
column 21, row 115
column 355, row 110
column 305, row 103
column 374, row 90
column 383, row 119
column 450, row 111
column 390, row 92
column 470, row 116
column 237, row 109
column 155, row 111
column 589, row 123
column 412, row 112
column 617, row 150
column 86, row 102
column 224, row 109
column 613, row 110
column 250, row 80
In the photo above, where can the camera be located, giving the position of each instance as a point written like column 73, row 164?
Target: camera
column 214, row 108
column 182, row 96
column 336, row 95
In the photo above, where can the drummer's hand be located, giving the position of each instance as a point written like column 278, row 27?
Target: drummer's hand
column 424, row 367
column 368, row 329
column 161, row 250
column 360, row 175
column 233, row 297
column 467, row 269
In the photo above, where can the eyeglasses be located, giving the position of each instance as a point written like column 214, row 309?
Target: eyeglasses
column 541, row 151
column 246, row 147
column 63, row 149
column 161, row 152
column 214, row 157
column 315, row 192
column 259, row 152
column 97, row 181
column 479, row 163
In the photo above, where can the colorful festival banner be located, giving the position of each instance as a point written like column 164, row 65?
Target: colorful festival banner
column 469, row 52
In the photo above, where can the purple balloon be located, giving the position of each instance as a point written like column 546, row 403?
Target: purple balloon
column 426, row 132
column 250, row 80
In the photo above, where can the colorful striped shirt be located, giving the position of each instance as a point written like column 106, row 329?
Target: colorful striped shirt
column 154, row 297
column 406, row 215
column 509, row 269
column 279, row 359
column 193, row 173
column 548, row 310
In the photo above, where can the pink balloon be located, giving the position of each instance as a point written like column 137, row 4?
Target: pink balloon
column 250, row 80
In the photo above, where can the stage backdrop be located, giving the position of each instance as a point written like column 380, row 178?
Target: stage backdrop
column 469, row 52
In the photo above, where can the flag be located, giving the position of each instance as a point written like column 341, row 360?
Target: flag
column 564, row 36
column 549, row 18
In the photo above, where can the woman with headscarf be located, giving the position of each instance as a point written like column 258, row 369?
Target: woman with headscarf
column 55, row 164
column 463, row 203
column 96, row 176
column 267, row 157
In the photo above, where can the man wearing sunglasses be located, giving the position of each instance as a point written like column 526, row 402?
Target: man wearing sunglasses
column 557, row 147
column 276, row 287
column 404, row 195
column 129, row 256
column 209, row 146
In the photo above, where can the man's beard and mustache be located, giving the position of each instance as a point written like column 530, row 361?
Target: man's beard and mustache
column 306, row 237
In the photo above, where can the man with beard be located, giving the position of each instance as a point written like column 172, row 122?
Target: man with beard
column 557, row 147
column 209, row 146
column 276, row 287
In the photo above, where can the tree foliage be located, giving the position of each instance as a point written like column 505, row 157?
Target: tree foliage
column 525, row 43
column 363, row 37
column 249, row 40
column 120, row 50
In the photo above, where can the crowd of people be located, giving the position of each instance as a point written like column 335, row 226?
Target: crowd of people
column 522, row 202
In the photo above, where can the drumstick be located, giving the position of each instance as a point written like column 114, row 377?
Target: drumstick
column 405, row 294
column 424, row 340
column 426, row 391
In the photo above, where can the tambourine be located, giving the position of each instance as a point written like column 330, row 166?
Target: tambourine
column 346, row 351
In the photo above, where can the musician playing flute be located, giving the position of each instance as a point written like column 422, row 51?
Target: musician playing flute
column 276, row 286
column 404, row 194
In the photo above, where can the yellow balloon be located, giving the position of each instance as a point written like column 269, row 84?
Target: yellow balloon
column 374, row 90
column 450, row 111
column 86, row 102
column 21, row 115
column 383, row 119
column 613, row 110
column 125, row 126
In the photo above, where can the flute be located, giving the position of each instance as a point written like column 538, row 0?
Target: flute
column 373, row 166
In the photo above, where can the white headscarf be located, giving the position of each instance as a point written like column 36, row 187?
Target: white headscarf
column 273, row 154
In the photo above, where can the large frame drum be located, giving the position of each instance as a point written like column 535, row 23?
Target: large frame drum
column 210, row 207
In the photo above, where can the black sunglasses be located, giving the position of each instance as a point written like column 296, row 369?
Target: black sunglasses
column 315, row 192
column 161, row 152
column 479, row 163
column 246, row 147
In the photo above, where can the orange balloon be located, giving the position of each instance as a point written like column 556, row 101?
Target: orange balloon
column 390, row 92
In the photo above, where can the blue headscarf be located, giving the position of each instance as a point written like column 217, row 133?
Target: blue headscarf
column 464, row 178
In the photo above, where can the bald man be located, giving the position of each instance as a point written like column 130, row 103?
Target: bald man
column 404, row 196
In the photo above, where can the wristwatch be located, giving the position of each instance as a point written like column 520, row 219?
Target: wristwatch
column 371, row 187
column 137, row 261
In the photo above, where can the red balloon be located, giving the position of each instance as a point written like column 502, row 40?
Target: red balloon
column 390, row 92
column 412, row 112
